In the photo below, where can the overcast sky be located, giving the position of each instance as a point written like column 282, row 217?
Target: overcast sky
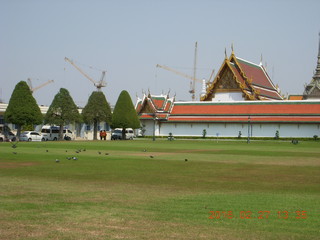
column 128, row 38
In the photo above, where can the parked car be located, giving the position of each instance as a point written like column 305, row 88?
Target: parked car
column 30, row 136
column 11, row 137
column 117, row 134
column 1, row 137
column 51, row 133
column 6, row 137
column 68, row 134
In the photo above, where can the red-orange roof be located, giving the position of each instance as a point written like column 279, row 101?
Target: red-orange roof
column 158, row 101
column 260, row 78
column 295, row 97
column 247, row 107
column 261, row 111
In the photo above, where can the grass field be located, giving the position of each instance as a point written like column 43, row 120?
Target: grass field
column 225, row 190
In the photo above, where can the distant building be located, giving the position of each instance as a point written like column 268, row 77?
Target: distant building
column 81, row 130
column 241, row 100
column 161, row 115
column 312, row 90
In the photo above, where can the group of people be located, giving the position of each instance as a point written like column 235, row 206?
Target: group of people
column 103, row 134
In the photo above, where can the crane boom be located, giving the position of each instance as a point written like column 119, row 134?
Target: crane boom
column 80, row 70
column 42, row 85
column 32, row 89
column 178, row 73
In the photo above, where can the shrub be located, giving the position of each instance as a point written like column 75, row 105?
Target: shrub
column 277, row 135
column 315, row 137
column 239, row 134
column 204, row 133
column 170, row 138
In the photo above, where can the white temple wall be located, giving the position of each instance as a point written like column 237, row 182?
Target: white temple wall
column 232, row 129
column 227, row 96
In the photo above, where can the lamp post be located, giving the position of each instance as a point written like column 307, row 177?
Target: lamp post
column 154, row 127
column 248, row 140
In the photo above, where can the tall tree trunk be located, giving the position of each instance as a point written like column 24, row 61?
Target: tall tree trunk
column 123, row 134
column 95, row 129
column 18, row 131
column 61, row 133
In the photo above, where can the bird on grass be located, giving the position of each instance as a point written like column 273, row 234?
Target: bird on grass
column 151, row 156
column 66, row 150
column 14, row 152
column 74, row 158
column 14, row 145
column 186, row 160
column 99, row 152
column 84, row 150
column 69, row 158
column 106, row 153
column 144, row 150
column 47, row 150
column 57, row 160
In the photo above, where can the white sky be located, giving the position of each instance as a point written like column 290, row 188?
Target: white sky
column 128, row 38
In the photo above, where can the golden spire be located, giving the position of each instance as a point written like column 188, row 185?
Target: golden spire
column 232, row 51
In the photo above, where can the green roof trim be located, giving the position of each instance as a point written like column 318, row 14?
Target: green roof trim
column 261, row 102
column 247, row 114
column 248, row 63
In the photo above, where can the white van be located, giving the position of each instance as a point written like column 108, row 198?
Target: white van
column 51, row 133
column 117, row 134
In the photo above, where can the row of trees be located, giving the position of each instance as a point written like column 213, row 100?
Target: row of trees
column 24, row 111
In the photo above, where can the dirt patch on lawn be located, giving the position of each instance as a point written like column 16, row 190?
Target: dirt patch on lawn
column 172, row 153
column 16, row 165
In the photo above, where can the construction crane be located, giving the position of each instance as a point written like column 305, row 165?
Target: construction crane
column 192, row 83
column 178, row 73
column 194, row 78
column 32, row 89
column 192, row 89
column 99, row 84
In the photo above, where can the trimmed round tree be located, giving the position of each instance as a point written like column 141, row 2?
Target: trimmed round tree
column 62, row 111
column 97, row 110
column 23, row 109
column 124, row 114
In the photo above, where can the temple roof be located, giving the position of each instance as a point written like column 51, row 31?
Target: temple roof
column 168, row 110
column 259, row 111
column 312, row 90
column 252, row 79
column 150, row 105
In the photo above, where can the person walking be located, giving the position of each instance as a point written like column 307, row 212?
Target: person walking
column 104, row 134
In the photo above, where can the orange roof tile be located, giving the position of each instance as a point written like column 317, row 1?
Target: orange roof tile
column 295, row 97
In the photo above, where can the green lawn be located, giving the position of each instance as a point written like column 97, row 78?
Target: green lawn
column 261, row 190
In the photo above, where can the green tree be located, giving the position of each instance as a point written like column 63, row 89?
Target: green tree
column 62, row 111
column 97, row 110
column 23, row 109
column 124, row 114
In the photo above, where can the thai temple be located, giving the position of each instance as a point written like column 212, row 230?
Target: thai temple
column 241, row 101
column 312, row 90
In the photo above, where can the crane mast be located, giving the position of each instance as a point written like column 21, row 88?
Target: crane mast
column 192, row 78
column 192, row 83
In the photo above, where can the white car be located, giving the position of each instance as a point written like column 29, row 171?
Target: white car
column 30, row 136
column 117, row 134
column 2, row 138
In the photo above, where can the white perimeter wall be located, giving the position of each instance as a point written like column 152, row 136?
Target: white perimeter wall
column 232, row 129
